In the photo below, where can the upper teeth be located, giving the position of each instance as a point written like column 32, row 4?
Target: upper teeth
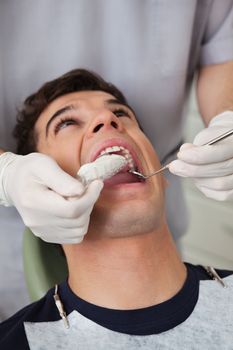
column 125, row 153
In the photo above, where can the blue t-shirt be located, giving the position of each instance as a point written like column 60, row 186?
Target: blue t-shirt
column 199, row 316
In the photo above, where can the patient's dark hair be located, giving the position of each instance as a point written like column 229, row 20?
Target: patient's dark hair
column 73, row 81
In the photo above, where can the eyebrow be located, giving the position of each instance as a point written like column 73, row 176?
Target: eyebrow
column 65, row 109
column 57, row 113
column 115, row 101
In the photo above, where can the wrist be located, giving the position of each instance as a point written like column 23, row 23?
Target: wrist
column 225, row 118
column 6, row 159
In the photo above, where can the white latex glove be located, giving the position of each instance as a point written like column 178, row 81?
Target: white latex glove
column 39, row 189
column 210, row 166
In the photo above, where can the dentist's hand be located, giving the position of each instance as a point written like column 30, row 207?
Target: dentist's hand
column 53, row 204
column 210, row 166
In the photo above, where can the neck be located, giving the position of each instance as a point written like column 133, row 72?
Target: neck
column 126, row 273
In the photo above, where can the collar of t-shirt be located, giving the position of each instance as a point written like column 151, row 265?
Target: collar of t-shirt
column 150, row 320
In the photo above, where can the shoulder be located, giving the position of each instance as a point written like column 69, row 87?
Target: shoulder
column 215, row 282
column 204, row 272
column 12, row 330
column 215, row 300
column 217, row 34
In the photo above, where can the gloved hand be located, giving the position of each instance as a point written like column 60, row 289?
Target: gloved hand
column 42, row 192
column 210, row 166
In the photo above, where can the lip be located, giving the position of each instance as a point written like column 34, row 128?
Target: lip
column 124, row 189
column 115, row 142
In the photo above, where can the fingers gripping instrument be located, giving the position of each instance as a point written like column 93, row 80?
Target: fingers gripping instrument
column 211, row 142
column 39, row 189
column 210, row 167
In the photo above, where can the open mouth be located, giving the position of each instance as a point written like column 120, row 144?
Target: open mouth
column 123, row 176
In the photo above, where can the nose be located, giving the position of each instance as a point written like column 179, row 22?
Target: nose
column 105, row 121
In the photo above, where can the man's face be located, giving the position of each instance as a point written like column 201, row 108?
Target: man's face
column 74, row 129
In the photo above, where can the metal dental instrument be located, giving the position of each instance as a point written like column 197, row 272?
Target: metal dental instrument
column 220, row 137
column 211, row 142
column 147, row 176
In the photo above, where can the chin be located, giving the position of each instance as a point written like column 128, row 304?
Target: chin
column 126, row 220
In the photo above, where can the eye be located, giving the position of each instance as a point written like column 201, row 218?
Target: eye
column 120, row 112
column 64, row 123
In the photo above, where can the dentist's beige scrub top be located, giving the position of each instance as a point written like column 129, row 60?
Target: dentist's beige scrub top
column 150, row 49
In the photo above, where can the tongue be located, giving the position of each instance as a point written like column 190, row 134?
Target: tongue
column 121, row 178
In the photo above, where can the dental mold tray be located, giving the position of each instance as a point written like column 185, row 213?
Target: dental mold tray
column 102, row 168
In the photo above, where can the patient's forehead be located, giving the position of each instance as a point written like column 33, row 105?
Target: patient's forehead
column 80, row 97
